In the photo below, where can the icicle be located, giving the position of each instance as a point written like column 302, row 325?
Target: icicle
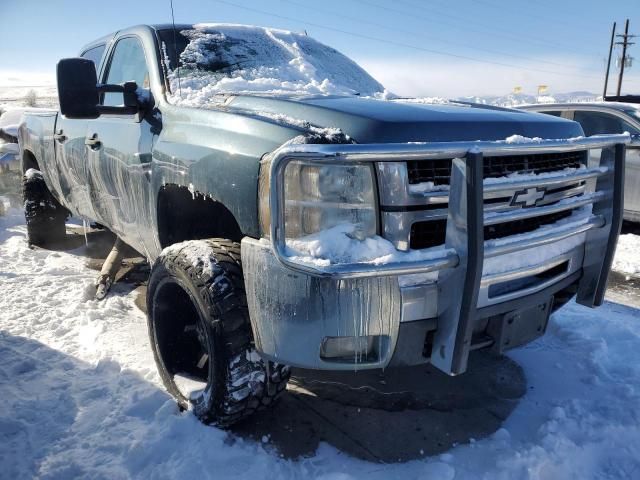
column 84, row 225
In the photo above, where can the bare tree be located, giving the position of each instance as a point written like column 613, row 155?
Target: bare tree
column 31, row 98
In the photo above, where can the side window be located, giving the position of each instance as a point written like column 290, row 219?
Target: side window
column 127, row 63
column 595, row 123
column 95, row 55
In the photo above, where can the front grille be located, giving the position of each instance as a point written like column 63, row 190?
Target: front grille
column 432, row 232
column 439, row 171
column 525, row 225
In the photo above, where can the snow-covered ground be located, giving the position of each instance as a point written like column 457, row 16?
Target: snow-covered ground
column 46, row 96
column 627, row 260
column 82, row 399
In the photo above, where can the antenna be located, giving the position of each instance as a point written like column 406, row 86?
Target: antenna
column 175, row 49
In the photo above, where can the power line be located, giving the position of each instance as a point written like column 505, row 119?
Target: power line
column 529, row 14
column 555, row 5
column 398, row 44
column 464, row 24
column 488, row 28
column 417, row 32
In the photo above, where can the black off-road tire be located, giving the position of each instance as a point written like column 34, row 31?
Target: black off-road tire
column 195, row 302
column 44, row 215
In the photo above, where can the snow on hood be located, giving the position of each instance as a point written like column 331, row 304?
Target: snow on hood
column 226, row 58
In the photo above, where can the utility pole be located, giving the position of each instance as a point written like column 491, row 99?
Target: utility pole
column 606, row 77
column 625, row 43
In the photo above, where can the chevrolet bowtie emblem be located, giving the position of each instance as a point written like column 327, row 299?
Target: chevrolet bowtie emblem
column 528, row 197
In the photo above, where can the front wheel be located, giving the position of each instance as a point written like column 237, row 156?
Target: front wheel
column 201, row 334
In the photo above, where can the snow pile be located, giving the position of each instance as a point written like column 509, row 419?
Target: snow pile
column 514, row 139
column 627, row 259
column 314, row 134
column 337, row 245
column 226, row 58
column 82, row 399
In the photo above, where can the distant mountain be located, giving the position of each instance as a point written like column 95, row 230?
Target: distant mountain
column 515, row 99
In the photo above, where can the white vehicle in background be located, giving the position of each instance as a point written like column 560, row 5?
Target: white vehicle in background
column 10, row 173
column 9, row 150
column 611, row 116
column 9, row 157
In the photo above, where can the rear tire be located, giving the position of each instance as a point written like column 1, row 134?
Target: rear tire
column 201, row 334
column 44, row 215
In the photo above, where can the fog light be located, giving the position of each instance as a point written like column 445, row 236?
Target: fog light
column 351, row 349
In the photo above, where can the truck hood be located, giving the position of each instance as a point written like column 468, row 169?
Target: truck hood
column 380, row 121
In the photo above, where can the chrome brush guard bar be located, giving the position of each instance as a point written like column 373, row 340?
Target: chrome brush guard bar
column 462, row 258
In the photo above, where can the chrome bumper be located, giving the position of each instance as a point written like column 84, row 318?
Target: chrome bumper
column 294, row 306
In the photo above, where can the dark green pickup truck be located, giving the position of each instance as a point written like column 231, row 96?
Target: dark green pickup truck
column 295, row 213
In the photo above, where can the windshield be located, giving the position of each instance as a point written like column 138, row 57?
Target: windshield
column 220, row 58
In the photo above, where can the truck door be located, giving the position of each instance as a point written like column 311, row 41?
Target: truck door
column 119, row 157
column 632, row 179
column 71, row 154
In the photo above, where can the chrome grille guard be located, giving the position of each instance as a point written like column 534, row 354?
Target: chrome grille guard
column 463, row 257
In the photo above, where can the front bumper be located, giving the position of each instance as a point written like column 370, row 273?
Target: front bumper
column 297, row 309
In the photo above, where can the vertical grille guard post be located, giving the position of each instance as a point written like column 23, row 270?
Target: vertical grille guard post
column 601, row 242
column 458, row 287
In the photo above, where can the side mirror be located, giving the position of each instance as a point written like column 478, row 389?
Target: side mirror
column 78, row 88
column 79, row 91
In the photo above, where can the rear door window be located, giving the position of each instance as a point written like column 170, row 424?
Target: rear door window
column 95, row 55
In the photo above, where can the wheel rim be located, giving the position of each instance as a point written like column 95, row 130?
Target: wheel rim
column 182, row 341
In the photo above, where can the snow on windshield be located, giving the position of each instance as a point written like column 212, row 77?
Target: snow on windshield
column 221, row 58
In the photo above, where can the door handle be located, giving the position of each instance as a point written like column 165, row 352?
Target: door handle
column 59, row 136
column 146, row 171
column 93, row 142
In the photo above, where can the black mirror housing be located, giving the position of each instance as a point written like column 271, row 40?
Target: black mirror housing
column 78, row 88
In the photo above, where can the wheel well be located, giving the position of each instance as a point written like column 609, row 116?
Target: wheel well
column 29, row 161
column 183, row 215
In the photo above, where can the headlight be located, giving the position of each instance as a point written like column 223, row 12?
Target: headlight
column 318, row 197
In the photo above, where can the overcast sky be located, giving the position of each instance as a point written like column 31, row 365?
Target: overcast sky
column 414, row 47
